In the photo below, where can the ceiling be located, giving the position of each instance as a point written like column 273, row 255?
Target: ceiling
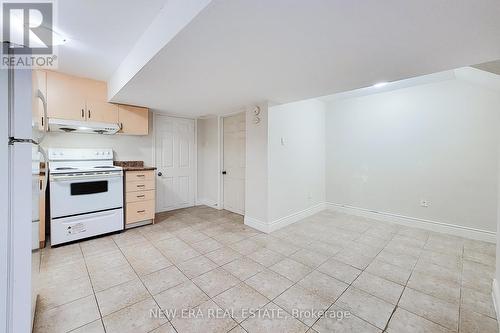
column 469, row 74
column 100, row 33
column 241, row 52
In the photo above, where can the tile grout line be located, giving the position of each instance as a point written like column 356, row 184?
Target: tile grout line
column 405, row 286
column 351, row 284
column 461, row 285
column 242, row 255
column 93, row 290
column 142, row 282
column 348, row 285
column 425, row 293
column 300, row 247
column 191, row 280
column 315, row 269
column 238, row 324
column 139, row 277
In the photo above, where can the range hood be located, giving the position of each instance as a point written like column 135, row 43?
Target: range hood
column 75, row 126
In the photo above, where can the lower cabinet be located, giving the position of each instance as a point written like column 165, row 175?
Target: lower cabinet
column 139, row 198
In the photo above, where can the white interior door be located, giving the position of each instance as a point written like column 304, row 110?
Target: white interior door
column 174, row 151
column 234, row 163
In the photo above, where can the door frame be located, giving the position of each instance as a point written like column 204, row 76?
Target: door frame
column 221, row 156
column 157, row 115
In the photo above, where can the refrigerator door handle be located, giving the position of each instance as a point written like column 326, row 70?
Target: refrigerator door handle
column 13, row 140
column 46, row 123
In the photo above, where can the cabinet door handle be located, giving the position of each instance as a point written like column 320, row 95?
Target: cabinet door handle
column 42, row 121
column 141, row 211
column 83, row 113
column 89, row 113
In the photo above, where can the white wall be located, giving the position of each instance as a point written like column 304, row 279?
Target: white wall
column 125, row 147
column 208, row 161
column 256, row 169
column 296, row 165
column 439, row 142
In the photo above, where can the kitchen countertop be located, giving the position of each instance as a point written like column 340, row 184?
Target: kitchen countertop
column 133, row 165
column 145, row 168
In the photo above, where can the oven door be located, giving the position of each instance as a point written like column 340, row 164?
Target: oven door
column 72, row 195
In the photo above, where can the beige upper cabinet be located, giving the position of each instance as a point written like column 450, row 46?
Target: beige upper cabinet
column 133, row 120
column 65, row 96
column 74, row 98
column 97, row 107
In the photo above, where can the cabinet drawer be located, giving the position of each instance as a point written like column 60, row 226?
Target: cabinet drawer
column 140, row 211
column 140, row 196
column 140, row 186
column 133, row 176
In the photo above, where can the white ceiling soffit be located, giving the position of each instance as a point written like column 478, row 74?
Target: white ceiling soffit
column 171, row 19
column 469, row 74
column 100, row 33
column 479, row 77
column 405, row 83
column 241, row 52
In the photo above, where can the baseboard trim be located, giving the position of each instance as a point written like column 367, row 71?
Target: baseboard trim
column 207, row 202
column 283, row 221
column 295, row 217
column 452, row 229
column 495, row 293
column 256, row 224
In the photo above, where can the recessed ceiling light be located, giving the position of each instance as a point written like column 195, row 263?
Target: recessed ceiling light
column 380, row 84
column 57, row 39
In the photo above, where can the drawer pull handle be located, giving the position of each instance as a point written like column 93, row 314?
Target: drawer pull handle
column 141, row 185
column 141, row 196
column 140, row 175
column 141, row 211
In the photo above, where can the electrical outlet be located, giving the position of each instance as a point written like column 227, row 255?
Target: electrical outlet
column 424, row 203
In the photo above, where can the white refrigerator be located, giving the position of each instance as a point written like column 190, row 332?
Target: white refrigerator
column 18, row 154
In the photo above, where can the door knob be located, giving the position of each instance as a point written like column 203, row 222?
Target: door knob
column 160, row 174
column 224, row 172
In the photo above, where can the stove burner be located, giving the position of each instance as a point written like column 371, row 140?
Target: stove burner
column 65, row 168
column 104, row 167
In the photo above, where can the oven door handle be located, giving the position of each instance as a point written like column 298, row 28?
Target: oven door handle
column 84, row 177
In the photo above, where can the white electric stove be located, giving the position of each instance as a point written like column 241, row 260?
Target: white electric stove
column 86, row 194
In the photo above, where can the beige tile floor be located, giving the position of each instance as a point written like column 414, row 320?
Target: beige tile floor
column 381, row 277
